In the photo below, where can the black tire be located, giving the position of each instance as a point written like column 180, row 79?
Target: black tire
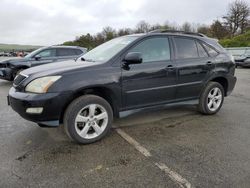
column 203, row 101
column 75, row 107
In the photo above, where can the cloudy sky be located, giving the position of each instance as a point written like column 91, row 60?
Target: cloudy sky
column 47, row 22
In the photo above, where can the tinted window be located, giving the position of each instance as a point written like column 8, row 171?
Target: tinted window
column 210, row 50
column 201, row 50
column 186, row 48
column 78, row 52
column 47, row 53
column 153, row 49
column 65, row 52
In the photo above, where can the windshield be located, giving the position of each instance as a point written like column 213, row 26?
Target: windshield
column 109, row 49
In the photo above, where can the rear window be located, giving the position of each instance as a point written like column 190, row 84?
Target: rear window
column 202, row 52
column 78, row 52
column 185, row 48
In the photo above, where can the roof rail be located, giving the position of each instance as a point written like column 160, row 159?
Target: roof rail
column 176, row 31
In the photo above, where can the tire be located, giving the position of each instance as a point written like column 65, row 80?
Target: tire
column 211, row 99
column 88, row 119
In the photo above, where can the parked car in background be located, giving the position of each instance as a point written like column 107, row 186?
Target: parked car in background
column 5, row 54
column 241, row 56
column 122, row 76
column 11, row 67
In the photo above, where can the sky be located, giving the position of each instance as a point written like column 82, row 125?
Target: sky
column 48, row 22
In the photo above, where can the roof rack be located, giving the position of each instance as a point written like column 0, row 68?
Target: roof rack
column 175, row 31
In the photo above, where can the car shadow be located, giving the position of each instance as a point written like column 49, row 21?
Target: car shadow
column 154, row 115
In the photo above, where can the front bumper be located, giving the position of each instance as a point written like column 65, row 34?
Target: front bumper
column 6, row 74
column 53, row 105
column 244, row 64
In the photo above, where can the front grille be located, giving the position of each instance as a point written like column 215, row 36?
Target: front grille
column 19, row 78
column 2, row 65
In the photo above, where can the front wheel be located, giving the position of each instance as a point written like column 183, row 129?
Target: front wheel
column 88, row 119
column 211, row 98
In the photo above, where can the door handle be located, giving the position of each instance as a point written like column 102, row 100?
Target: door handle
column 170, row 68
column 209, row 63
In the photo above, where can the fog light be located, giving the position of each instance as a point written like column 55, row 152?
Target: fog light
column 34, row 110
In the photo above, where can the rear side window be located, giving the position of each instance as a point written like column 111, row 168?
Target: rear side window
column 185, row 48
column 202, row 52
column 65, row 52
column 78, row 52
column 153, row 49
column 212, row 52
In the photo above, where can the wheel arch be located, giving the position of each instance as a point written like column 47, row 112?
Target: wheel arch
column 221, row 80
column 104, row 92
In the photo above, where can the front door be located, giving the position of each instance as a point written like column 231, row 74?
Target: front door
column 44, row 57
column 153, row 81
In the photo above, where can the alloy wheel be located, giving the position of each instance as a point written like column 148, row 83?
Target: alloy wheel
column 214, row 99
column 91, row 121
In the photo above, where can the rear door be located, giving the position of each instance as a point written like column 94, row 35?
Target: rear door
column 66, row 54
column 193, row 66
column 153, row 81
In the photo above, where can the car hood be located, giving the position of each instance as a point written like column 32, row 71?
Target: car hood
column 58, row 68
column 14, row 60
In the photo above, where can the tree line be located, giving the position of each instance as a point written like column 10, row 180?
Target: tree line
column 235, row 22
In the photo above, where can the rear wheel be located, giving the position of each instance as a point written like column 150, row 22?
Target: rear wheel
column 211, row 98
column 88, row 119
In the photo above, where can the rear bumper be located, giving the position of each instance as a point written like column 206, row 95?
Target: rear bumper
column 6, row 74
column 231, row 84
column 53, row 105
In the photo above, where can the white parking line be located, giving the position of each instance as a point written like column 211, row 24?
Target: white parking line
column 182, row 182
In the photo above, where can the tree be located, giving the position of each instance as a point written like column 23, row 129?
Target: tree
column 218, row 30
column 237, row 17
column 155, row 27
column 142, row 27
column 108, row 33
column 125, row 31
column 186, row 27
column 204, row 29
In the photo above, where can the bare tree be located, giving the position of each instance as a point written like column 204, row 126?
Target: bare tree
column 204, row 29
column 186, row 27
column 142, row 27
column 237, row 17
column 125, row 31
column 108, row 33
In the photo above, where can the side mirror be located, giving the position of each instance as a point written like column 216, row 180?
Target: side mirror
column 37, row 57
column 133, row 58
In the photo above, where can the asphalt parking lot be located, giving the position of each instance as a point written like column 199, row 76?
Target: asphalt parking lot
column 205, row 151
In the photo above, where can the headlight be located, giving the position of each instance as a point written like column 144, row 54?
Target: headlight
column 41, row 85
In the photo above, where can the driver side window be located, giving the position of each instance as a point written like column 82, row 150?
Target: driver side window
column 153, row 49
column 47, row 53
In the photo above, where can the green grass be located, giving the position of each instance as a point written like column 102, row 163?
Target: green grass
column 16, row 47
column 237, row 41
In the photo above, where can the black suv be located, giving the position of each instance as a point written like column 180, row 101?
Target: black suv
column 125, row 75
column 11, row 67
